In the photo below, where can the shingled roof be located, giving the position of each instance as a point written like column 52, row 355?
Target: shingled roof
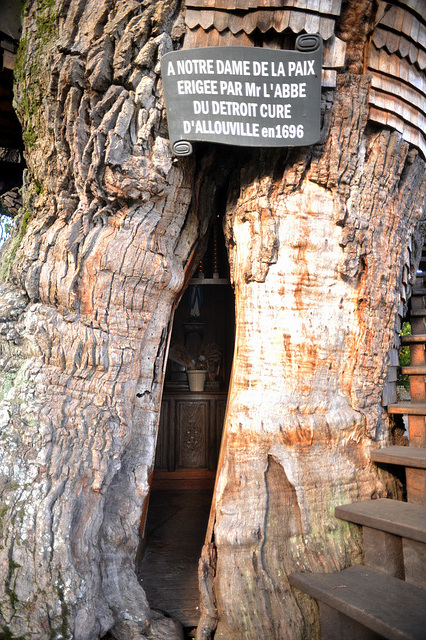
column 315, row 16
column 397, row 62
column 236, row 22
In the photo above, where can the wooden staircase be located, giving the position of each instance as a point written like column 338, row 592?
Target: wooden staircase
column 386, row 597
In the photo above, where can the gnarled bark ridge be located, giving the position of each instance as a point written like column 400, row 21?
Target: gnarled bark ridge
column 85, row 315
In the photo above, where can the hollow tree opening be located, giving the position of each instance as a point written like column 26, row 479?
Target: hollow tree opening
column 191, row 422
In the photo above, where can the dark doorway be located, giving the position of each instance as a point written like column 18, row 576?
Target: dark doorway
column 189, row 437
column 175, row 533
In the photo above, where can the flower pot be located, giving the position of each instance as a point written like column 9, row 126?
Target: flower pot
column 196, row 380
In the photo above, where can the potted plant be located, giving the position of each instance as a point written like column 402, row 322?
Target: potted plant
column 207, row 362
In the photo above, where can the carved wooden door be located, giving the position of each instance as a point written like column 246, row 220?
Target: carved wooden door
column 190, row 431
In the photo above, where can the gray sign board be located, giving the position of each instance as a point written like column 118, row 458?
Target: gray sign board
column 244, row 96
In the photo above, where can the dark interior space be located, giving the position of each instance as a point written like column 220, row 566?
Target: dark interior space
column 175, row 533
column 12, row 162
column 189, row 437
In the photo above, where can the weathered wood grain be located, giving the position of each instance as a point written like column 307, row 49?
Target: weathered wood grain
column 358, row 593
column 87, row 306
column 304, row 262
column 399, row 518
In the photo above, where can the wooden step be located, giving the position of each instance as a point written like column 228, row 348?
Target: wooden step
column 419, row 338
column 387, row 606
column 399, row 518
column 418, row 312
column 408, row 408
column 393, row 535
column 414, row 461
column 414, row 457
column 419, row 291
column 414, row 371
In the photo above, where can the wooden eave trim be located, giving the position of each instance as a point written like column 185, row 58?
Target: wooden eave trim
column 330, row 7
column 264, row 20
column 403, row 46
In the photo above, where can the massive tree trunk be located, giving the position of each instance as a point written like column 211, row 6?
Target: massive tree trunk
column 316, row 241
column 105, row 239
column 317, row 244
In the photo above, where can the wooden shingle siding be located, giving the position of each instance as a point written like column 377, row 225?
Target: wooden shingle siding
column 214, row 38
column 407, row 95
column 401, row 32
column 397, row 62
column 239, row 22
column 331, row 7
column 264, row 20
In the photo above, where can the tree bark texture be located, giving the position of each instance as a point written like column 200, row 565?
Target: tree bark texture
column 317, row 239
column 317, row 243
column 105, row 239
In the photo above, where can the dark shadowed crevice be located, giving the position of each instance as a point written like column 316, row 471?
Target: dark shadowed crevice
column 190, row 429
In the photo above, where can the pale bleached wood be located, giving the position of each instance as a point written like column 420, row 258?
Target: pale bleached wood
column 221, row 20
column 205, row 19
column 328, row 78
column 290, row 246
column 192, row 18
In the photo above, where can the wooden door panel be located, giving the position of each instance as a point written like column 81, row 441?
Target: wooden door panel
column 192, row 424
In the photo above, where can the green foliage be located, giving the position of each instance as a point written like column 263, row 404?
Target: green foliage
column 28, row 71
column 21, row 57
column 8, row 259
column 404, row 357
column 46, row 21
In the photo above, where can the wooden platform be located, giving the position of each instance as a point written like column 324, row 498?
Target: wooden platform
column 175, row 531
column 389, row 607
column 408, row 408
column 399, row 518
column 407, row 456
